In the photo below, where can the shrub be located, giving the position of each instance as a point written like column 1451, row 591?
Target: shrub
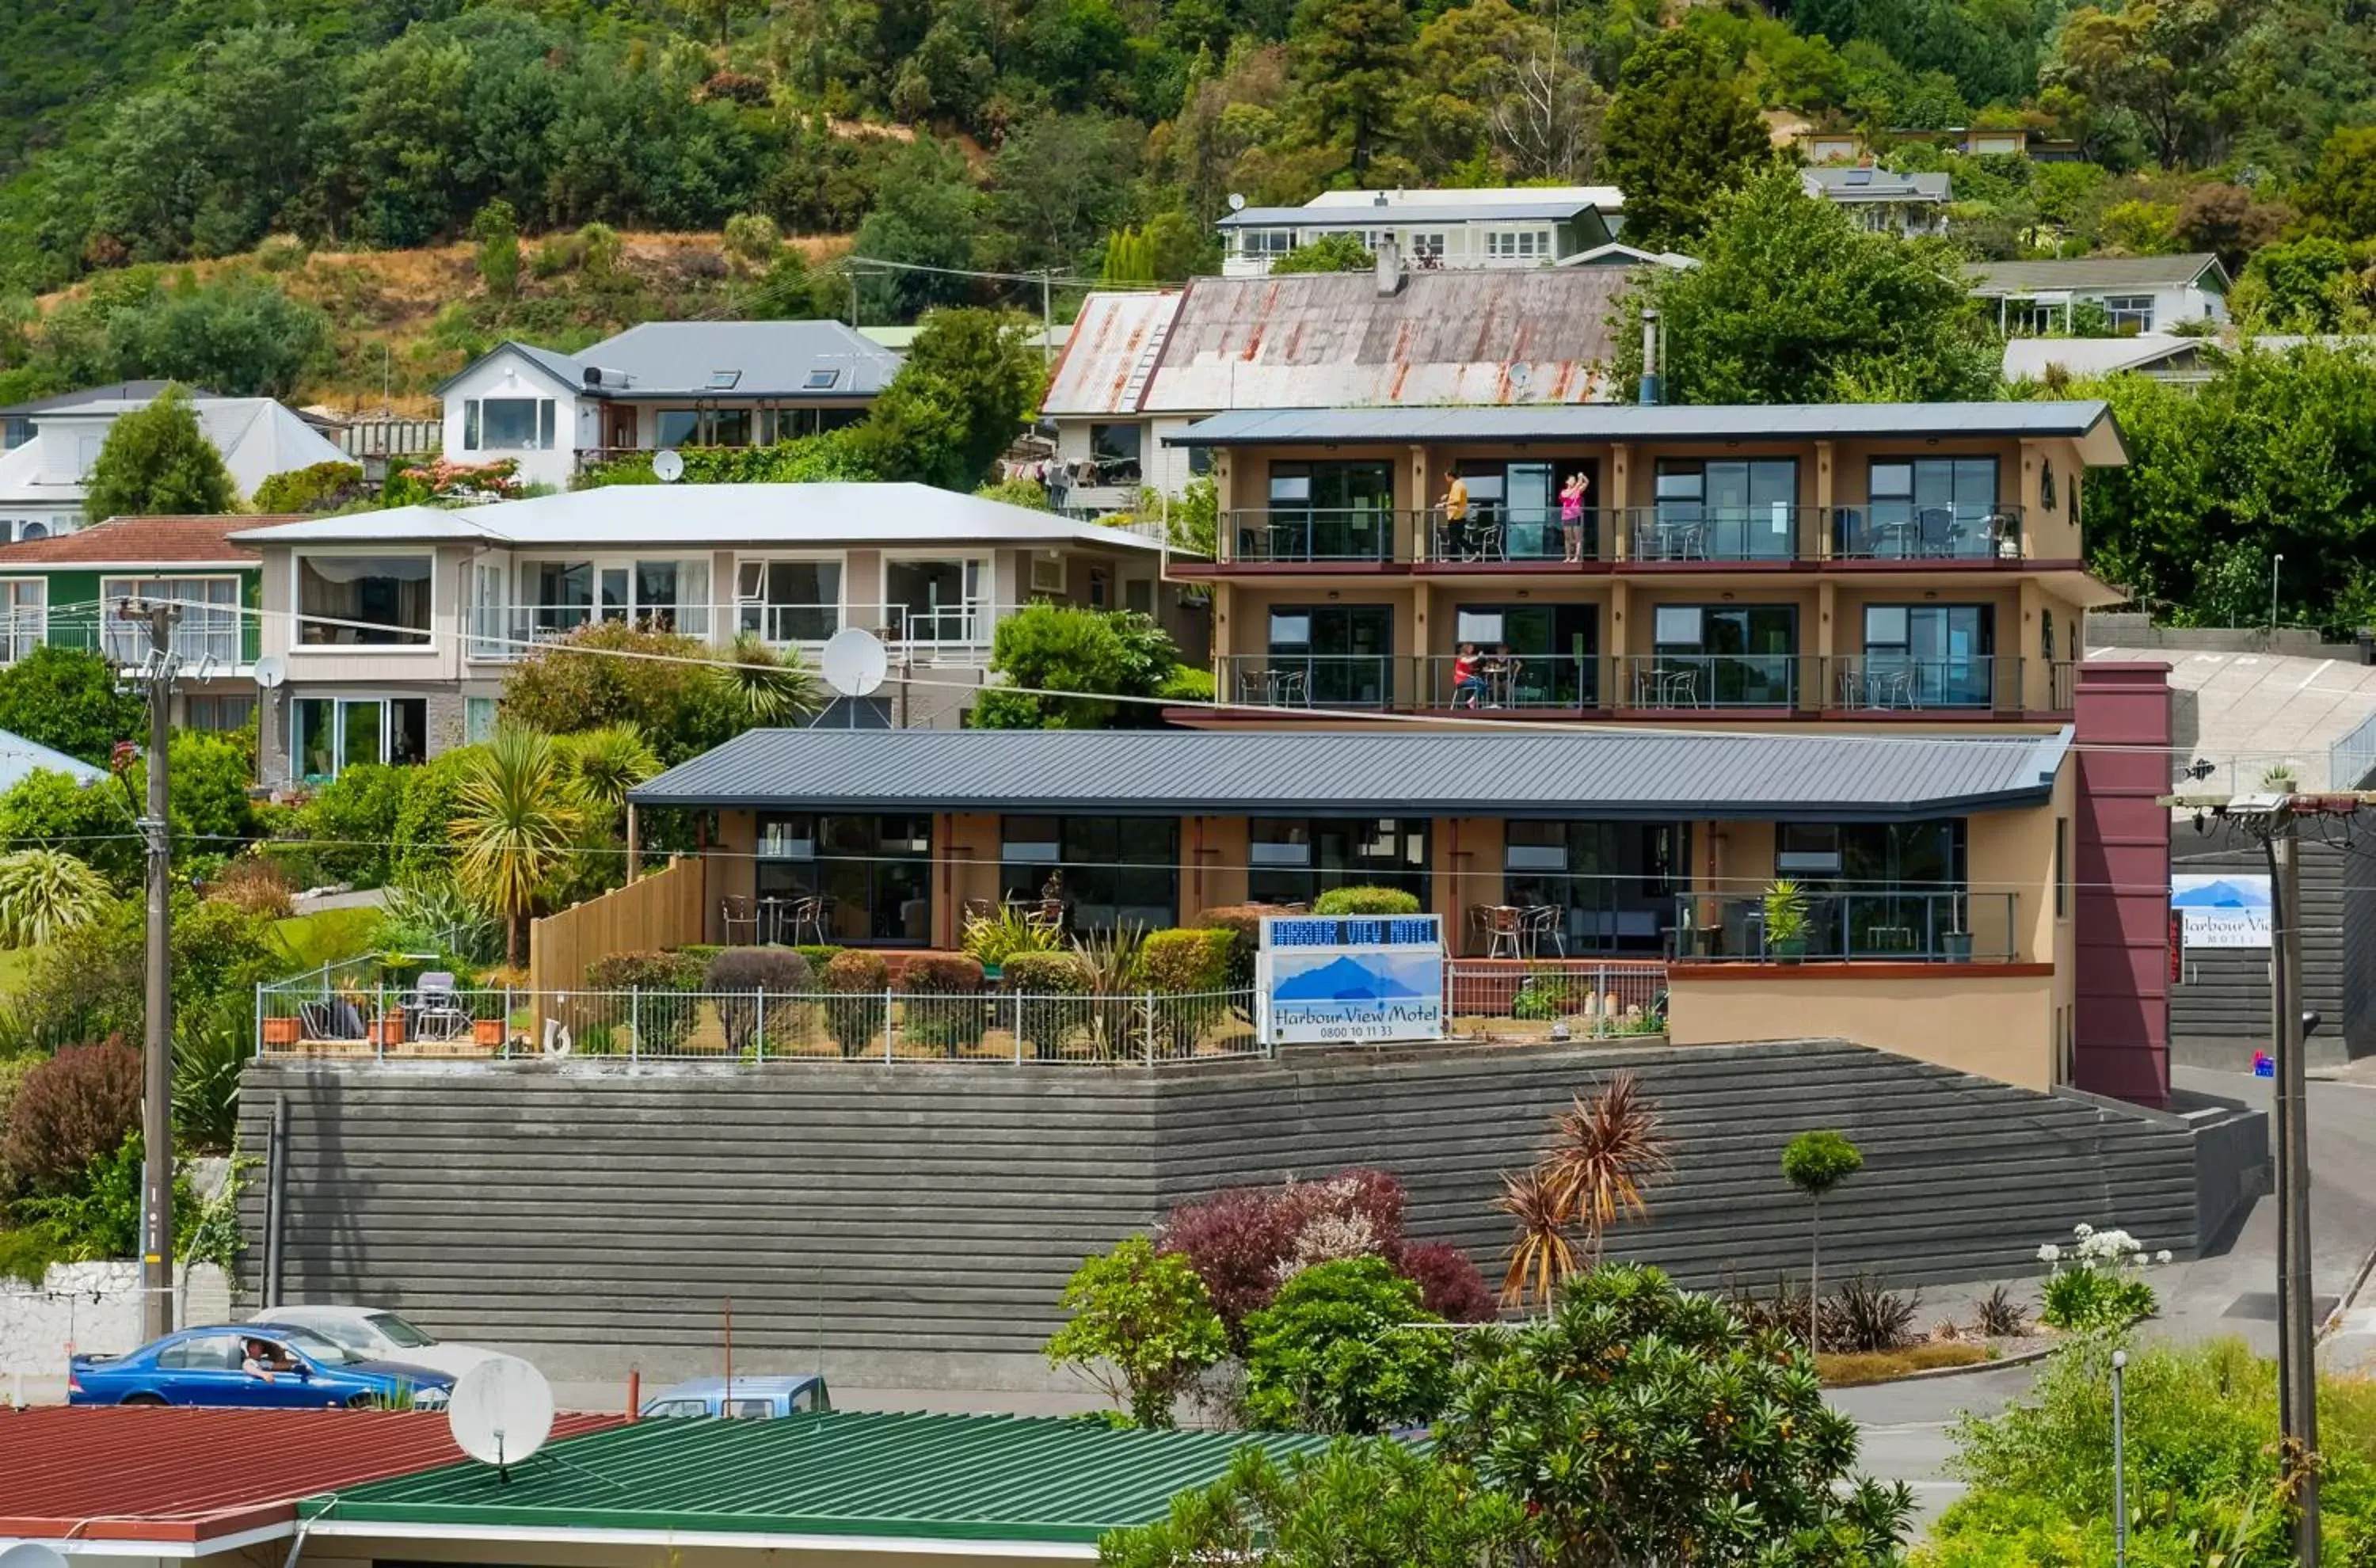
column 254, row 886
column 1544, row 996
column 1366, row 901
column 1243, row 922
column 997, row 937
column 1449, row 1284
column 1873, row 1319
column 661, row 1027
column 945, row 1008
column 46, row 892
column 753, row 237
column 210, row 1045
column 2086, row 1287
column 738, row 974
column 350, row 821
column 1998, row 1315
column 818, row 954
column 1245, row 1240
column 1186, row 963
column 1045, row 981
column 70, row 1111
column 1337, row 1352
column 319, row 488
column 855, row 982
column 1141, row 1327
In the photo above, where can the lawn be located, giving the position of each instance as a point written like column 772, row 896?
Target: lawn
column 15, row 967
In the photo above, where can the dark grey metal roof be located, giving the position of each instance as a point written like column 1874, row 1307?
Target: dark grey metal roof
column 1633, row 422
column 1611, row 773
column 717, row 360
column 2090, row 273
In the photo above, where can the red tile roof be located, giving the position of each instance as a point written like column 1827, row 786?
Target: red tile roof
column 131, row 541
column 149, row 1474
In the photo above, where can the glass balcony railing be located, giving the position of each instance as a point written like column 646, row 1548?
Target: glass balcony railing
column 1492, row 533
column 1537, row 683
column 1667, row 680
column 1680, row 531
column 1298, row 680
column 1902, row 530
column 1854, row 923
column 1884, row 683
column 1284, row 536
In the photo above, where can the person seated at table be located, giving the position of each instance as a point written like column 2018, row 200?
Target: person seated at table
column 1468, row 685
column 1499, row 669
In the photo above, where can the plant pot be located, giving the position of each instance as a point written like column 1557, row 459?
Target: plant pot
column 1789, row 949
column 282, row 1031
column 1957, row 946
column 487, row 1031
column 391, row 1029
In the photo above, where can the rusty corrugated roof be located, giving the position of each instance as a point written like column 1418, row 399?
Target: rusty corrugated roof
column 1105, row 362
column 1320, row 340
column 131, row 541
column 139, row 1473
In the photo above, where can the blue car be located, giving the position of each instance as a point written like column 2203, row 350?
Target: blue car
column 279, row 1366
column 751, row 1399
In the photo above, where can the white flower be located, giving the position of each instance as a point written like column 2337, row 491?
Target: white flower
column 2050, row 1252
column 2162, row 1256
column 2083, row 1230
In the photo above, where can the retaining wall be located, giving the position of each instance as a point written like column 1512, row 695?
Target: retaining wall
column 91, row 1307
column 915, row 1224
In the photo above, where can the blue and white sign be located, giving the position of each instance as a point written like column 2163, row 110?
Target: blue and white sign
column 2223, row 910
column 1325, row 978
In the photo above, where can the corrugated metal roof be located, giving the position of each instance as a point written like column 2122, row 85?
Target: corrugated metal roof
column 133, row 1473
column 1595, row 774
column 143, row 541
column 1523, row 206
column 2090, row 274
column 2089, row 422
column 1867, row 183
column 1318, row 340
column 765, row 359
column 928, row 1476
column 1111, row 354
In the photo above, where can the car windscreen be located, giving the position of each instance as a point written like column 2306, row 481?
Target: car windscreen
column 352, row 1336
column 398, row 1332
column 312, row 1346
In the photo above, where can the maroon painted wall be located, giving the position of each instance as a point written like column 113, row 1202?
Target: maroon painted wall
column 2120, row 868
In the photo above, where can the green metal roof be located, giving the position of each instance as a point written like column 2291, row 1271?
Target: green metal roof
column 930, row 1476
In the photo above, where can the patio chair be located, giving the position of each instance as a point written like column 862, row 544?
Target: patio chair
column 1506, row 932
column 437, row 1010
column 972, row 909
column 337, row 1019
column 735, row 911
column 1048, row 917
column 809, row 913
column 1542, row 921
column 1936, row 527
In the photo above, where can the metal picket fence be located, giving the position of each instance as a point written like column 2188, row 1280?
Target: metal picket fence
column 1579, row 997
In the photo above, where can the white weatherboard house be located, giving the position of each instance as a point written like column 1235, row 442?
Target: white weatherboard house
column 1882, row 199
column 397, row 628
column 662, row 385
column 2143, row 295
column 1453, row 229
column 44, row 480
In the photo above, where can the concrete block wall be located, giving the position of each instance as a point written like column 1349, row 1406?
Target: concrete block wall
column 91, row 1308
column 917, row 1224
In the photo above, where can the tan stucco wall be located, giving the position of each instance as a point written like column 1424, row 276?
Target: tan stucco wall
column 1998, row 1026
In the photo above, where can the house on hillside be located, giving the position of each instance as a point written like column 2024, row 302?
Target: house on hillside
column 1141, row 367
column 42, row 479
column 2142, row 294
column 662, row 385
column 397, row 628
column 62, row 591
column 1461, row 230
column 1972, row 141
column 1882, row 199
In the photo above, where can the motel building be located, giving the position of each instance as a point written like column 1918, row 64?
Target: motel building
column 1838, row 646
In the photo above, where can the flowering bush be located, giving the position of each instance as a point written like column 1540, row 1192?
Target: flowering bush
column 2092, row 1284
column 439, row 480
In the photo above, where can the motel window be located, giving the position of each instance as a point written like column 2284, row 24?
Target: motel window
column 1927, row 655
column 1729, row 509
column 364, row 601
column 874, row 873
column 1613, row 882
column 1294, row 859
column 2131, row 314
column 1116, row 449
column 335, row 733
column 1111, row 872
column 26, row 601
column 508, row 424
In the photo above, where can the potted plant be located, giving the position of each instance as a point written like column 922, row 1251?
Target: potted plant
column 1786, row 919
column 280, row 1031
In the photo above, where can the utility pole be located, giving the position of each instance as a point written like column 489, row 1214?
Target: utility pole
column 2297, row 1349
column 157, row 1032
column 1047, row 322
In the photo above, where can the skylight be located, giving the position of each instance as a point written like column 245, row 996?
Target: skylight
column 723, row 380
column 820, row 380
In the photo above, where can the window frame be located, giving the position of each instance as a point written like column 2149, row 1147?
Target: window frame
column 219, row 626
column 417, row 643
column 14, row 644
column 543, row 424
column 979, row 580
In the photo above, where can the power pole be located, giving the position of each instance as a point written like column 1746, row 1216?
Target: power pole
column 156, row 1043
column 1047, row 322
column 2297, row 1348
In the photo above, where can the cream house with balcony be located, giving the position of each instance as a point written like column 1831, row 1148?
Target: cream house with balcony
column 396, row 629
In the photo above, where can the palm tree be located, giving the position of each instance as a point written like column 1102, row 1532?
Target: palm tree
column 1541, row 1257
column 1603, row 1151
column 772, row 689
column 607, row 763
column 517, row 818
column 44, row 894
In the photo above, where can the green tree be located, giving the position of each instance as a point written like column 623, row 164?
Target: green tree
column 1101, row 654
column 2315, row 284
column 2339, row 196
column 1363, row 1504
column 2164, row 62
column 519, row 818
column 156, row 460
column 1352, row 62
column 1680, row 133
column 496, row 228
column 1129, row 260
column 1815, row 1162
column 1329, row 253
column 1642, row 1425
column 1060, row 181
column 970, row 383
column 1141, row 1327
column 1794, row 303
column 46, row 892
column 1338, row 1350
column 67, row 701
column 925, row 217
column 660, row 682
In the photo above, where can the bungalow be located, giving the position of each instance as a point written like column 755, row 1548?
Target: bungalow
column 2140, row 295
column 662, row 385
column 1459, row 230
column 1883, row 199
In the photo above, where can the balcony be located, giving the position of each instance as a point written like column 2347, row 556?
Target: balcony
column 1694, row 533
column 1357, row 681
column 1521, row 684
column 1697, row 681
column 1494, row 535
column 1890, row 683
column 1900, row 530
column 509, row 631
column 1854, row 924
column 221, row 639
column 1302, row 536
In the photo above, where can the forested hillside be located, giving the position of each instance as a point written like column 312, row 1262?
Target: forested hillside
column 1019, row 134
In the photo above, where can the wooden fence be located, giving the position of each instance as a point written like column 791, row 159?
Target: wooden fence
column 663, row 910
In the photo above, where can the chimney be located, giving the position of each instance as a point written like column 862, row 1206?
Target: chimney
column 1650, row 358
column 1390, row 266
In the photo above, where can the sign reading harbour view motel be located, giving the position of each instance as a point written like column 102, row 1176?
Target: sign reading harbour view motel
column 1327, row 977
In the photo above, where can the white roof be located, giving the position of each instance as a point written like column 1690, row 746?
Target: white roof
column 256, row 436
column 1607, row 199
column 2026, row 358
column 20, row 756
column 637, row 516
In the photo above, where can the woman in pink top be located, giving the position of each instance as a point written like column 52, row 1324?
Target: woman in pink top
column 1571, row 513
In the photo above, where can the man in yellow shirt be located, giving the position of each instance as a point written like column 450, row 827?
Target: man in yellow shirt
column 1456, row 517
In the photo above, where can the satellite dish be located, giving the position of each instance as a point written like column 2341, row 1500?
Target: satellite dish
column 667, row 467
column 1237, row 202
column 854, row 662
column 500, row 1411
column 270, row 671
column 32, row 1554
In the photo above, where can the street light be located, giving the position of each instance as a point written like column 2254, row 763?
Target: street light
column 2120, row 1469
column 2274, row 565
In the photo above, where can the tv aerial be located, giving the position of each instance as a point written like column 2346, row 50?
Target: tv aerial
column 854, row 662
column 270, row 671
column 500, row 1413
column 1237, row 202
column 667, row 466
